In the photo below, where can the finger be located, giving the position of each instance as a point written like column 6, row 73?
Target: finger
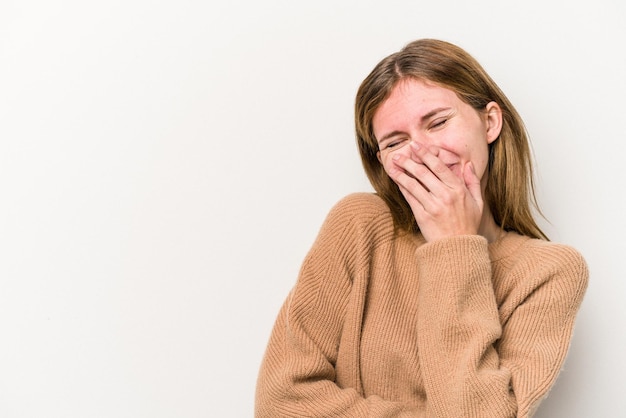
column 441, row 173
column 423, row 185
column 414, row 169
column 472, row 182
column 416, row 206
column 408, row 181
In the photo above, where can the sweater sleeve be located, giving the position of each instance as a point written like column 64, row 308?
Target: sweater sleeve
column 298, row 375
column 482, row 361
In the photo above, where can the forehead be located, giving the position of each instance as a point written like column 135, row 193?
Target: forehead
column 411, row 99
column 418, row 95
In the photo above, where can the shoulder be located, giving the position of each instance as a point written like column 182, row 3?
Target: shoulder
column 555, row 256
column 548, row 261
column 519, row 248
column 356, row 226
column 359, row 209
column 364, row 204
column 362, row 217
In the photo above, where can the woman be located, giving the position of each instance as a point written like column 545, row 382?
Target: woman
column 438, row 296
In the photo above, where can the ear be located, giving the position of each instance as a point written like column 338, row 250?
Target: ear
column 493, row 114
column 378, row 156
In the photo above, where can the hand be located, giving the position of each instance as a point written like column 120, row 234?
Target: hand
column 443, row 204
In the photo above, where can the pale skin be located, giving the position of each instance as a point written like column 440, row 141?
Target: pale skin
column 434, row 147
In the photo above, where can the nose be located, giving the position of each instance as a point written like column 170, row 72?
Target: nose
column 424, row 143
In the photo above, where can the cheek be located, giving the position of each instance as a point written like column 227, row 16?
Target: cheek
column 481, row 157
column 387, row 161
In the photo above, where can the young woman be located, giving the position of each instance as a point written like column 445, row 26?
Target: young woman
column 438, row 296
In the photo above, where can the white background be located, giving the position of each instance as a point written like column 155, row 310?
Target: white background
column 165, row 166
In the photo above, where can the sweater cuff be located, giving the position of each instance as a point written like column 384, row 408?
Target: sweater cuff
column 463, row 246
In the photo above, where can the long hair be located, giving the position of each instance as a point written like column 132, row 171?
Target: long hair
column 509, row 191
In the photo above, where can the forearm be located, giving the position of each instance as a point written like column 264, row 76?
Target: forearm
column 458, row 324
column 297, row 380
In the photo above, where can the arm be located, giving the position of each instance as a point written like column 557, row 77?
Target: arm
column 298, row 375
column 482, row 361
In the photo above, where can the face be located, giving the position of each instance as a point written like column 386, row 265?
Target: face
column 435, row 118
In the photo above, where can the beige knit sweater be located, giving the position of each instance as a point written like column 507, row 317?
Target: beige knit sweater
column 382, row 324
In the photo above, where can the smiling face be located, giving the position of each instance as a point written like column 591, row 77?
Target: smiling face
column 435, row 118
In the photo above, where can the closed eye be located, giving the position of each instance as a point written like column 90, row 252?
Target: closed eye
column 439, row 123
column 394, row 143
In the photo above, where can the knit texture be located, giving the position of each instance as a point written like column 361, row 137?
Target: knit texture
column 383, row 324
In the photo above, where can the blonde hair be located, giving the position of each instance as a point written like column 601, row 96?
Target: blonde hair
column 510, row 188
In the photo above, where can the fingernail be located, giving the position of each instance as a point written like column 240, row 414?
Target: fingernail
column 395, row 157
column 415, row 145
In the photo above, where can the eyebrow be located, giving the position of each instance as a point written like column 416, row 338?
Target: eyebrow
column 422, row 120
